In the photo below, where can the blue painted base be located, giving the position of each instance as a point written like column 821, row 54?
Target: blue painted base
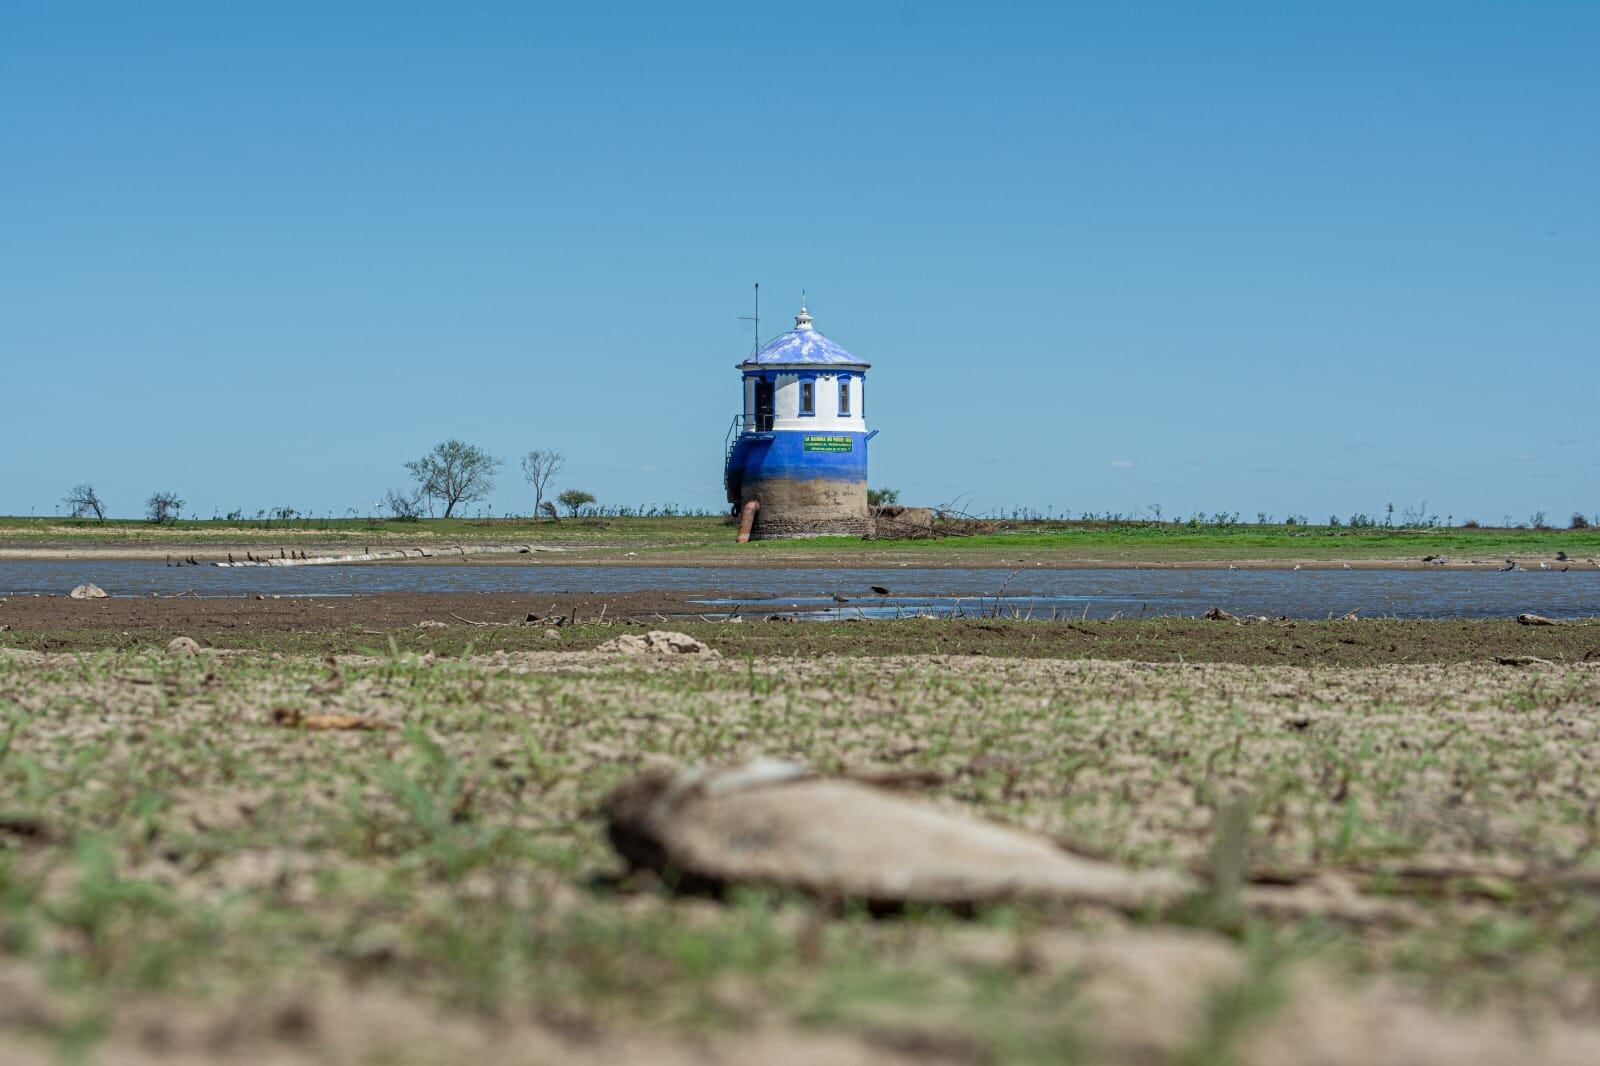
column 795, row 456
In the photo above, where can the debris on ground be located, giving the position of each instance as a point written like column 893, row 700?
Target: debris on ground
column 1522, row 660
column 1538, row 620
column 659, row 642
column 779, row 824
column 1217, row 614
column 552, row 634
column 431, row 623
column 1327, row 896
column 183, row 647
column 88, row 591
column 294, row 718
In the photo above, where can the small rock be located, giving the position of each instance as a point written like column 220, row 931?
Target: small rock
column 430, row 623
column 1217, row 614
column 183, row 647
column 89, row 591
column 659, row 642
column 552, row 634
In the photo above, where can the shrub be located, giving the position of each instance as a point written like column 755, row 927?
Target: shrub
column 1578, row 521
column 574, row 500
column 884, row 497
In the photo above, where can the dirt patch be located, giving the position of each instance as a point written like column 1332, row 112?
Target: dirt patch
column 448, row 624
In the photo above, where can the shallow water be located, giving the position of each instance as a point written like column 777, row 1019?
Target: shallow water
column 1100, row 593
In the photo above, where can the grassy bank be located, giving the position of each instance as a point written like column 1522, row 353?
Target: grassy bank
column 182, row 877
column 710, row 540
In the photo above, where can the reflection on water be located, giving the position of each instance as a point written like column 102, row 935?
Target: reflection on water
column 1096, row 593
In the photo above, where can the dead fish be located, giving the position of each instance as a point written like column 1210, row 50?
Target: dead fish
column 777, row 823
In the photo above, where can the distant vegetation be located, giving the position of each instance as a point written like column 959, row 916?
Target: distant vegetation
column 163, row 507
column 84, row 502
column 575, row 500
column 677, row 535
column 455, row 475
column 539, row 467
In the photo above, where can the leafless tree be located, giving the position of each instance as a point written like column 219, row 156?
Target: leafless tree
column 403, row 505
column 455, row 472
column 84, row 502
column 163, row 507
column 538, row 467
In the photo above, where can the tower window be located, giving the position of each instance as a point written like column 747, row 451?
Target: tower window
column 808, row 397
column 844, row 397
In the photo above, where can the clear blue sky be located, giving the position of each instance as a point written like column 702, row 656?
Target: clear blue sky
column 1269, row 257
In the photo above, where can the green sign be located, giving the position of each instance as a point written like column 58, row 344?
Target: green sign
column 828, row 444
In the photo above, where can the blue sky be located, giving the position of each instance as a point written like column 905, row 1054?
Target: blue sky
column 1281, row 257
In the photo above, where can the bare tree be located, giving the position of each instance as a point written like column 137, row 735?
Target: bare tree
column 538, row 467
column 84, row 502
column 404, row 506
column 455, row 472
column 163, row 507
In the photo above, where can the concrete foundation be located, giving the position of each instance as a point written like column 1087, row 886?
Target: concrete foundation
column 813, row 507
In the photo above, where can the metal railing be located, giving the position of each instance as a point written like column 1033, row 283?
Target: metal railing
column 741, row 425
column 761, row 423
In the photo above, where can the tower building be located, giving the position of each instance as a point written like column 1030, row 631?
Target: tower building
column 799, row 449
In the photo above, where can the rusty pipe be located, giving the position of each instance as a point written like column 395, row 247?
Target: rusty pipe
column 747, row 520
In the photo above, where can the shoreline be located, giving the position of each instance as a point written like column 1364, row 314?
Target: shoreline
column 465, row 624
column 622, row 556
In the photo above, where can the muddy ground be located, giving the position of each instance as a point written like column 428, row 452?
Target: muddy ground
column 271, row 614
column 448, row 624
column 189, row 874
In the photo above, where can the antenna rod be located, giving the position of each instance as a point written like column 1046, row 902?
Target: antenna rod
column 756, row 318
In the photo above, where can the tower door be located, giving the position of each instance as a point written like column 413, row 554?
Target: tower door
column 764, row 406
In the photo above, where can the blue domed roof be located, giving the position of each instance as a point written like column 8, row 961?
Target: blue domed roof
column 803, row 346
